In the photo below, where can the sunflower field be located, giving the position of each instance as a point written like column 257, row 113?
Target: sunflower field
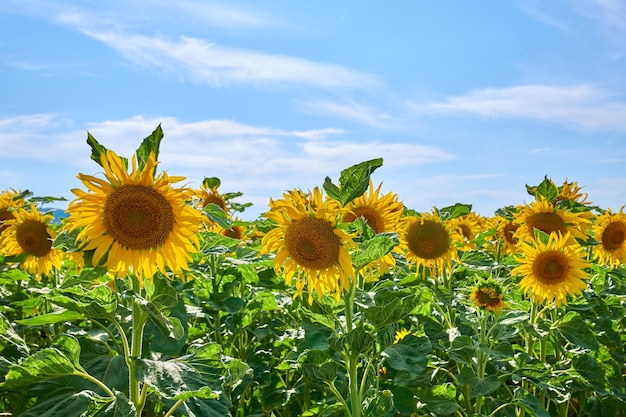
column 151, row 298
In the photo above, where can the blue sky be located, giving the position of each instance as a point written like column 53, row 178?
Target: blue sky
column 465, row 101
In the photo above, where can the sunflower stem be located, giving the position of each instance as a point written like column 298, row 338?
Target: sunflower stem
column 138, row 322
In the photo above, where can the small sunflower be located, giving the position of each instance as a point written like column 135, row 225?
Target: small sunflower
column 9, row 201
column 401, row 334
column 382, row 213
column 30, row 233
column 429, row 242
column 488, row 295
column 505, row 234
column 609, row 230
column 552, row 270
column 545, row 216
column 135, row 223
column 570, row 191
column 469, row 226
column 308, row 245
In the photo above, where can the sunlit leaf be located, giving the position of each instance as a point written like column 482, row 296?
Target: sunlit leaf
column 99, row 302
column 60, row 316
column 149, row 145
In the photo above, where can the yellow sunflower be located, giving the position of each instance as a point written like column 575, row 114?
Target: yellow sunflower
column 488, row 295
column 382, row 213
column 469, row 226
column 570, row 191
column 548, row 218
column 609, row 229
column 9, row 201
column 552, row 270
column 401, row 334
column 428, row 242
column 505, row 234
column 135, row 223
column 30, row 233
column 308, row 245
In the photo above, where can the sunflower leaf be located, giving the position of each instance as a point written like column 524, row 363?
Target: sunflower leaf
column 354, row 180
column 331, row 189
column 150, row 144
column 211, row 183
column 547, row 189
column 97, row 150
column 45, row 364
column 455, row 211
column 375, row 248
column 216, row 214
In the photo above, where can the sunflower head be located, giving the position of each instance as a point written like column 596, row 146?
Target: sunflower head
column 609, row 230
column 309, row 246
column 552, row 269
column 548, row 218
column 29, row 233
column 468, row 225
column 429, row 242
column 401, row 334
column 488, row 295
column 135, row 222
column 9, row 201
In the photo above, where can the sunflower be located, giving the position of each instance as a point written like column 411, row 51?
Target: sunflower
column 401, row 334
column 488, row 295
column 308, row 245
column 9, row 201
column 570, row 191
column 609, row 230
column 429, row 242
column 135, row 223
column 382, row 213
column 552, row 270
column 505, row 234
column 545, row 216
column 30, row 234
column 469, row 226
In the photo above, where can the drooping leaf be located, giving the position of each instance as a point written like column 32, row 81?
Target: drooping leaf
column 211, row 183
column 69, row 347
column 169, row 330
column 149, row 145
column 121, row 406
column 530, row 403
column 96, row 148
column 66, row 404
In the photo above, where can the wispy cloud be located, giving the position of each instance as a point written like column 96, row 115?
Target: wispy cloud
column 206, row 62
column 582, row 106
column 348, row 110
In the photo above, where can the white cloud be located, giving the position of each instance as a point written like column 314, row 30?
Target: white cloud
column 349, row 110
column 581, row 106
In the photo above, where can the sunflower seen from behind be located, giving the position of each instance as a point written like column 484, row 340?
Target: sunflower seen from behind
column 135, row 223
column 429, row 243
column 30, row 233
column 609, row 230
column 552, row 268
column 309, row 246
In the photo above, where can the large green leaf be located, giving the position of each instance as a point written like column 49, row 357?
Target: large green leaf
column 60, row 316
column 8, row 336
column 99, row 302
column 45, row 364
column 391, row 306
column 374, row 249
column 149, row 145
column 66, row 404
column 409, row 356
column 353, row 181
column 167, row 327
column 478, row 386
column 574, row 329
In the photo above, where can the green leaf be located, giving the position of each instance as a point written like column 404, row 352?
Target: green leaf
column 410, row 355
column 530, row 403
column 478, row 386
column 69, row 347
column 375, row 248
column 96, row 148
column 455, row 211
column 547, row 189
column 318, row 366
column 45, row 364
column 591, row 371
column 353, row 181
column 391, row 306
column 331, row 189
column 66, row 404
column 121, row 406
column 60, row 316
column 211, row 183
column 380, row 405
column 8, row 336
column 150, row 144
column 216, row 214
column 161, row 291
column 169, row 331
column 574, row 329
column 316, row 337
column 441, row 399
column 463, row 350
column 99, row 302
column 357, row 340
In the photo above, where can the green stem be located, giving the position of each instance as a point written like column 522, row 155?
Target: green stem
column 174, row 407
column 355, row 398
column 339, row 398
column 97, row 382
column 139, row 320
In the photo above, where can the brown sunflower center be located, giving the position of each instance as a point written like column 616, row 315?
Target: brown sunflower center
column 33, row 238
column 509, row 231
column 312, row 243
column 235, row 233
column 466, row 231
column 138, row 217
column 487, row 297
column 371, row 216
column 547, row 223
column 429, row 240
column 5, row 214
column 551, row 267
column 215, row 199
column 613, row 236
